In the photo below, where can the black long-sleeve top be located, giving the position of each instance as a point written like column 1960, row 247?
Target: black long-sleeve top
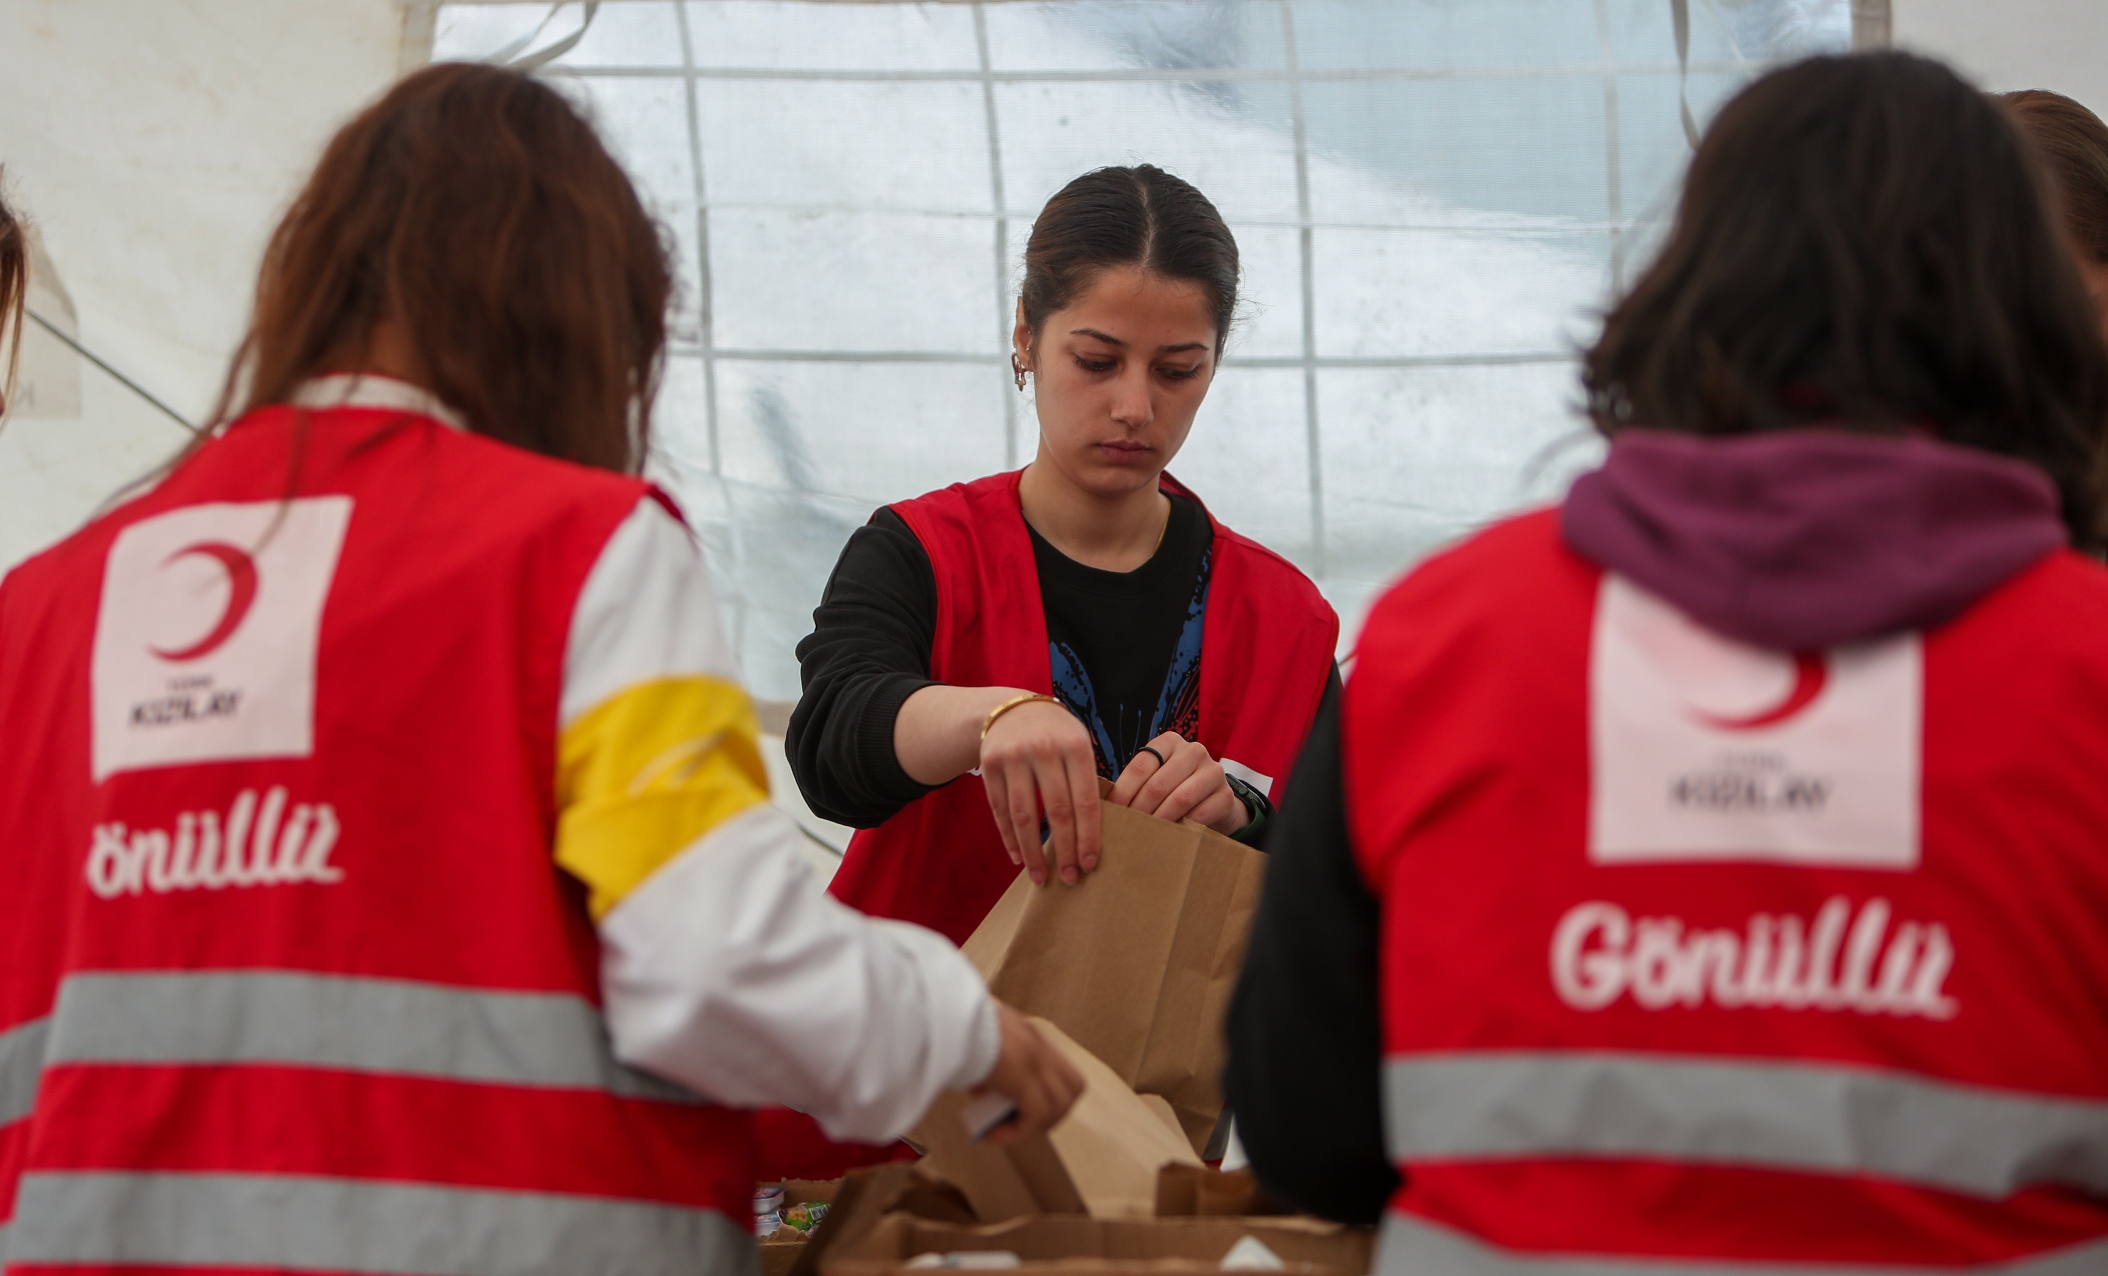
column 1305, row 1037
column 1124, row 651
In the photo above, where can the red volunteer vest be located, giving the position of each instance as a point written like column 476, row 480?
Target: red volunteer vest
column 1694, row 954
column 292, row 982
column 1266, row 652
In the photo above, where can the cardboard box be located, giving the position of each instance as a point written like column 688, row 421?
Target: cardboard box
column 1192, row 1190
column 1110, row 1247
column 857, row 1202
column 1103, row 1159
column 1137, row 961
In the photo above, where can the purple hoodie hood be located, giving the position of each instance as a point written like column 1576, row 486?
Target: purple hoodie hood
column 1810, row 538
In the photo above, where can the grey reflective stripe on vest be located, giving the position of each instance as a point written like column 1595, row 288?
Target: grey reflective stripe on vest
column 396, row 1026
column 343, row 1225
column 1829, row 1118
column 21, row 1063
column 1410, row 1247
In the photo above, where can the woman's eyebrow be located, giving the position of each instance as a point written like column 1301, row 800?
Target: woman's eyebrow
column 1111, row 340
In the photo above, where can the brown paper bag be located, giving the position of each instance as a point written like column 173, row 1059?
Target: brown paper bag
column 1136, row 961
column 1190, row 1190
column 1103, row 1158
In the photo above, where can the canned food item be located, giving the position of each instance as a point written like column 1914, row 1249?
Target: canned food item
column 768, row 1199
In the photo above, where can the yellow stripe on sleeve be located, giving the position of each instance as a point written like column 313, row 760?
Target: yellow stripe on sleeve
column 645, row 773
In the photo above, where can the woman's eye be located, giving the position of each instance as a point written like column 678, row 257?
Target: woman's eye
column 1095, row 365
column 1183, row 374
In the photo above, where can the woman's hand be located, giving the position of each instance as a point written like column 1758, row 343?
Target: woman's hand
column 1034, row 1075
column 1036, row 756
column 1187, row 784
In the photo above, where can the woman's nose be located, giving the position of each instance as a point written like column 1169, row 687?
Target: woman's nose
column 1131, row 404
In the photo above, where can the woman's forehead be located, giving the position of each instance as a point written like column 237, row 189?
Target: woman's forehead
column 1135, row 307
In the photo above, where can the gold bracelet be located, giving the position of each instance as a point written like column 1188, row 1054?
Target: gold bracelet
column 1012, row 703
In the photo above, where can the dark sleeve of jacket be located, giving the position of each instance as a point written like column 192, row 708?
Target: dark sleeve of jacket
column 1306, row 1050
column 868, row 652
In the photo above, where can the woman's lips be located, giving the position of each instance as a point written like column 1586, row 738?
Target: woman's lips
column 1122, row 452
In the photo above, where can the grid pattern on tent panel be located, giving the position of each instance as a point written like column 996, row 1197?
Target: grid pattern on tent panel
column 1432, row 197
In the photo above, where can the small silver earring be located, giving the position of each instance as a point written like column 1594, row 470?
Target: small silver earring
column 1017, row 369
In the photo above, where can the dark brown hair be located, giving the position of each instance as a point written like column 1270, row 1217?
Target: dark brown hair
column 14, row 294
column 479, row 212
column 1865, row 242
column 2073, row 145
column 1138, row 216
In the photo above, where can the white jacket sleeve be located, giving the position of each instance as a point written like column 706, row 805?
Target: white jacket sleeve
column 733, row 973
column 725, row 966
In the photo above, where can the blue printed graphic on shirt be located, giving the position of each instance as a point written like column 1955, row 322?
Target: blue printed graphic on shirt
column 1118, row 732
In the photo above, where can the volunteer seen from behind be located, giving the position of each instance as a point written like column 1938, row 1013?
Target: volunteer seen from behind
column 985, row 654
column 394, row 886
column 1708, row 875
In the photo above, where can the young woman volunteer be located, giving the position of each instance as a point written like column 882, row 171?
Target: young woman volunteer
column 985, row 654
column 391, row 885
column 1708, row 875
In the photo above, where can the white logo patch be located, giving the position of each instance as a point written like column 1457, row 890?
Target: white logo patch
column 1703, row 748
column 206, row 639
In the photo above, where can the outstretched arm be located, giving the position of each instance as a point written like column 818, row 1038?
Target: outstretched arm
column 725, row 966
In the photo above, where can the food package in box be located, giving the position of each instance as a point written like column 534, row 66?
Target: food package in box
column 857, row 1203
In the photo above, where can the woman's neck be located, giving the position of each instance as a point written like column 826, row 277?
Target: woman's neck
column 387, row 352
column 1111, row 533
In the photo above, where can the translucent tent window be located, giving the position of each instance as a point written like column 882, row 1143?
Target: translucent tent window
column 1433, row 199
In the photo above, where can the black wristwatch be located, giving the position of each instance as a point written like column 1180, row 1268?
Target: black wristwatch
column 1260, row 809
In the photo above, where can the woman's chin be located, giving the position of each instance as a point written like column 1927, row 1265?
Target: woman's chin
column 1103, row 479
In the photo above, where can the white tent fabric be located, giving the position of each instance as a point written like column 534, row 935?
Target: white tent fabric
column 153, row 145
column 1432, row 197
column 1456, row 185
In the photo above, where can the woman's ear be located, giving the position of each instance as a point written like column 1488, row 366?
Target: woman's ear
column 1021, row 337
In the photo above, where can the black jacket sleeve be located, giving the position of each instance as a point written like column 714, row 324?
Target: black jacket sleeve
column 1306, row 1048
column 868, row 652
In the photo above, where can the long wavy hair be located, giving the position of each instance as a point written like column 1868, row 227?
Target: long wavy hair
column 479, row 213
column 1866, row 242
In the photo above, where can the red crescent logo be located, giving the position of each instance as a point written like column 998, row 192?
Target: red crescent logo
column 241, row 595
column 1810, row 675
